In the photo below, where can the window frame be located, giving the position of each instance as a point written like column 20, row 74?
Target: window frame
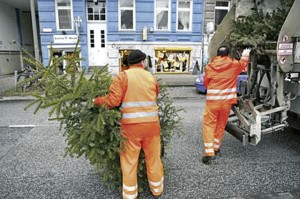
column 227, row 8
column 93, row 14
column 190, row 10
column 57, row 8
column 133, row 8
column 169, row 16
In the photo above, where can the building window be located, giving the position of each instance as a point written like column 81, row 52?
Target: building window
column 64, row 15
column 162, row 14
column 221, row 9
column 172, row 60
column 184, row 15
column 96, row 10
column 127, row 14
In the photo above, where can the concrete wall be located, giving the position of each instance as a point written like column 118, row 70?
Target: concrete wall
column 9, row 55
column 15, row 25
column 26, row 31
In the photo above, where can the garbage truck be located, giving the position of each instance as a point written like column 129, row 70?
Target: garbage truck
column 270, row 98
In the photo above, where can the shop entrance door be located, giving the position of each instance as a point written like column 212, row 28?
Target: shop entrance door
column 96, row 29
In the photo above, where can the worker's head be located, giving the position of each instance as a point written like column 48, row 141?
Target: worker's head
column 223, row 51
column 135, row 57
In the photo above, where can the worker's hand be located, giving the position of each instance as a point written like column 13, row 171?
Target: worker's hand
column 246, row 52
column 94, row 101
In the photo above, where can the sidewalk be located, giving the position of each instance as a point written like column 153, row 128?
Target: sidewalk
column 173, row 80
column 7, row 82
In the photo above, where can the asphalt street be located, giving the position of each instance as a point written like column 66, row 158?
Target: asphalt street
column 32, row 163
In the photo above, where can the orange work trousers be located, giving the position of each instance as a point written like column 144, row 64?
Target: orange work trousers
column 215, row 118
column 139, row 136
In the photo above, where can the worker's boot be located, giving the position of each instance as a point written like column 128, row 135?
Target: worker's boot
column 156, row 197
column 207, row 159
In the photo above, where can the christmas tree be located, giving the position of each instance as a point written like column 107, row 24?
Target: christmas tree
column 93, row 131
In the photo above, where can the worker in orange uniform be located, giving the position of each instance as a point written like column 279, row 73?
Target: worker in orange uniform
column 136, row 90
column 220, row 80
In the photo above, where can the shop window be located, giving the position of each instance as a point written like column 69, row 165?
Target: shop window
column 70, row 55
column 221, row 9
column 127, row 14
column 123, row 59
column 64, row 14
column 58, row 61
column 172, row 60
column 62, row 63
column 184, row 15
column 96, row 10
column 162, row 14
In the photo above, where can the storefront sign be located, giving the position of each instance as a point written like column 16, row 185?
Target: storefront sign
column 65, row 39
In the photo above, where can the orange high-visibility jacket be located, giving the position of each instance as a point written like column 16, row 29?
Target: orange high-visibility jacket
column 220, row 79
column 137, row 90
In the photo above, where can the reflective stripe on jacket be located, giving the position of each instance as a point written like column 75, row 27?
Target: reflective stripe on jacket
column 139, row 103
column 220, row 79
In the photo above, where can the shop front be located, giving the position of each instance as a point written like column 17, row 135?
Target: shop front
column 123, row 59
column 172, row 60
column 165, row 60
column 61, row 55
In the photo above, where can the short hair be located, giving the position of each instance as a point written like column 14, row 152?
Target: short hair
column 223, row 51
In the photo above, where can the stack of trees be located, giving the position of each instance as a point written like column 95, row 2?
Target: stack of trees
column 259, row 29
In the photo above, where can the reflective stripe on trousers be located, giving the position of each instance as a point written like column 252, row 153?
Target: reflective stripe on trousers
column 157, row 187
column 130, row 192
column 217, row 144
column 144, row 136
column 208, row 149
column 214, row 122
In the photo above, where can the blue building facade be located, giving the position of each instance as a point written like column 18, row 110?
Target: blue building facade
column 55, row 30
column 168, row 31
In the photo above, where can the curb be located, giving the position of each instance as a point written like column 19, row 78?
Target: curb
column 16, row 98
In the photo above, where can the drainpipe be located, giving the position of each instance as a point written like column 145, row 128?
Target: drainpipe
column 34, row 30
column 202, row 43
